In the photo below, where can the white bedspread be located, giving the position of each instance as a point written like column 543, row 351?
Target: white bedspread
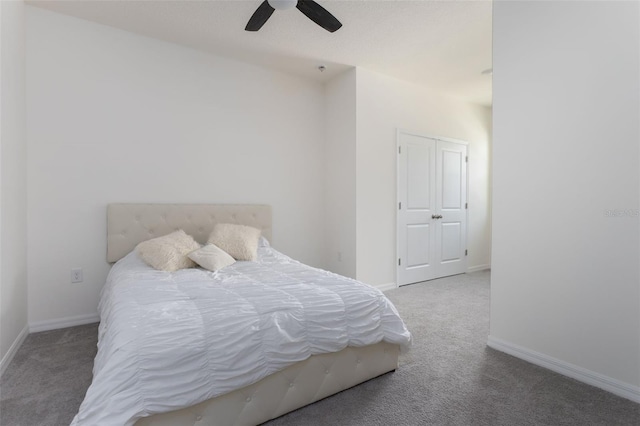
column 171, row 340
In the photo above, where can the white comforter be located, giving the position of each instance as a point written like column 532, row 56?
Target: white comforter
column 171, row 340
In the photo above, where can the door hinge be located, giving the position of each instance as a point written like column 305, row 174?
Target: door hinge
column 399, row 262
column 466, row 159
column 466, row 205
column 466, row 252
column 399, row 150
column 400, row 205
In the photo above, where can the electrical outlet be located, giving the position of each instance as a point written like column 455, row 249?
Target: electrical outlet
column 76, row 275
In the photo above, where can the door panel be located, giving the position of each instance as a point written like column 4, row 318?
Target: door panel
column 450, row 241
column 417, row 251
column 451, row 195
column 416, row 197
column 419, row 192
column 451, row 170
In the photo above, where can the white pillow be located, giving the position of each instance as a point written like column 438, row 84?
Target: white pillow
column 169, row 252
column 211, row 257
column 239, row 241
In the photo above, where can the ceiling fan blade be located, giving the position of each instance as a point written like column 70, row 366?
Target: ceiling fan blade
column 259, row 17
column 319, row 15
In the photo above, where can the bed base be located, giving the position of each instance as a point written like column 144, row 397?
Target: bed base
column 294, row 387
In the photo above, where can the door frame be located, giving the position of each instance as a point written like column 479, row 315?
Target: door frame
column 400, row 131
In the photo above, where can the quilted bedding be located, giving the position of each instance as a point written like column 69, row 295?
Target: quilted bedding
column 172, row 340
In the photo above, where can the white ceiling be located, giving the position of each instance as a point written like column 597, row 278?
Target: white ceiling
column 443, row 45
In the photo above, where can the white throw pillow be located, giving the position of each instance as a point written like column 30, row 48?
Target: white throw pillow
column 211, row 257
column 239, row 241
column 169, row 252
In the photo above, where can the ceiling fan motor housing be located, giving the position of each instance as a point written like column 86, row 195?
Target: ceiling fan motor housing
column 283, row 4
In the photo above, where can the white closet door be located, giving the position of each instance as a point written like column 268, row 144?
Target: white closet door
column 432, row 215
column 451, row 200
column 416, row 206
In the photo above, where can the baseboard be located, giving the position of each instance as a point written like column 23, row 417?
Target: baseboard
column 589, row 377
column 55, row 324
column 478, row 268
column 387, row 286
column 8, row 357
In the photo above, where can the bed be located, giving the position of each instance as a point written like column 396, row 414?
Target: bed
column 167, row 348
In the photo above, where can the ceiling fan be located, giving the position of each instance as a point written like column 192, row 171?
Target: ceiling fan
column 310, row 8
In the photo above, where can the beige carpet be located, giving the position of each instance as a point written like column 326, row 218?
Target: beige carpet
column 449, row 377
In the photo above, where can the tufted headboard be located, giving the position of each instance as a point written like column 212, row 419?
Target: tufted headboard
column 130, row 224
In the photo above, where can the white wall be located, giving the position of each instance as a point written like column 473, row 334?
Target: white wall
column 565, row 280
column 340, row 174
column 13, row 180
column 117, row 117
column 383, row 105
